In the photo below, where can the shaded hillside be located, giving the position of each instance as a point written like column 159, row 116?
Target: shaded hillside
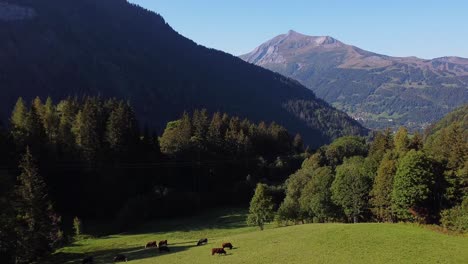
column 447, row 139
column 380, row 91
column 458, row 117
column 60, row 48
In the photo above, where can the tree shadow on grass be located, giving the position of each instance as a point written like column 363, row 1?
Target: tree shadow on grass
column 107, row 256
column 231, row 220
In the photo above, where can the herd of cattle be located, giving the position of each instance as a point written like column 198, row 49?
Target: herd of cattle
column 162, row 246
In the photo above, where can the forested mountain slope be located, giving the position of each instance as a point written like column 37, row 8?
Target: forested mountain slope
column 63, row 48
column 380, row 91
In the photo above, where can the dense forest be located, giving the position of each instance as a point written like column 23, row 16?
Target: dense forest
column 88, row 158
column 394, row 177
column 112, row 48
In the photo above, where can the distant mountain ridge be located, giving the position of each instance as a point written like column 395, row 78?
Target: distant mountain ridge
column 380, row 91
column 112, row 48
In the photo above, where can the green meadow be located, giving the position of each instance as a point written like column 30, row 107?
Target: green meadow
column 308, row 243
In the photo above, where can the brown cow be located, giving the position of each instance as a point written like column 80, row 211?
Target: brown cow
column 227, row 245
column 218, row 251
column 120, row 258
column 164, row 248
column 151, row 244
column 162, row 243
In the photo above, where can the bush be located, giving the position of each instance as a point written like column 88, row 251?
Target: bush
column 456, row 219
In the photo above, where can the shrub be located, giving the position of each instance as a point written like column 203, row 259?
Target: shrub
column 456, row 219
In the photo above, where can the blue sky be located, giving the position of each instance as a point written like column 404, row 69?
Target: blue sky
column 426, row 29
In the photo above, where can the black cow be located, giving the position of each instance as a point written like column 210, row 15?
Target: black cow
column 202, row 241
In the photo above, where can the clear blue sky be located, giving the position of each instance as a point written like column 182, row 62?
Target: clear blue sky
column 422, row 28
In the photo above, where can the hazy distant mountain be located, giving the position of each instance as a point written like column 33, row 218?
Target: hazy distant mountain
column 380, row 91
column 112, row 48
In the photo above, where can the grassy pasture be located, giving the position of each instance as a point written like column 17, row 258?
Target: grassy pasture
column 309, row 243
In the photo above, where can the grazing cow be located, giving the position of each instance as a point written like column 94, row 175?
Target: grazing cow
column 227, row 245
column 162, row 243
column 164, row 249
column 151, row 244
column 120, row 258
column 202, row 241
column 218, row 251
column 88, row 260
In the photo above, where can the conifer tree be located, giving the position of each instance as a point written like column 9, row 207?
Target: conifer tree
column 38, row 231
column 200, row 124
column 402, row 142
column 67, row 111
column 215, row 132
column 122, row 130
column 381, row 192
column 416, row 142
column 86, row 129
column 37, row 103
column 35, row 133
column 18, row 121
column 50, row 120
column 382, row 143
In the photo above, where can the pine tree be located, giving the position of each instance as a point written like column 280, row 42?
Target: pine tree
column 50, row 120
column 382, row 143
column 67, row 111
column 402, row 142
column 200, row 124
column 39, row 106
column 215, row 132
column 37, row 230
column 261, row 207
column 382, row 189
column 122, row 129
column 86, row 129
column 35, row 133
column 18, row 121
column 416, row 142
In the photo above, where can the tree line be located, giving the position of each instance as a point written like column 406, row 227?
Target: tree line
column 88, row 159
column 393, row 177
